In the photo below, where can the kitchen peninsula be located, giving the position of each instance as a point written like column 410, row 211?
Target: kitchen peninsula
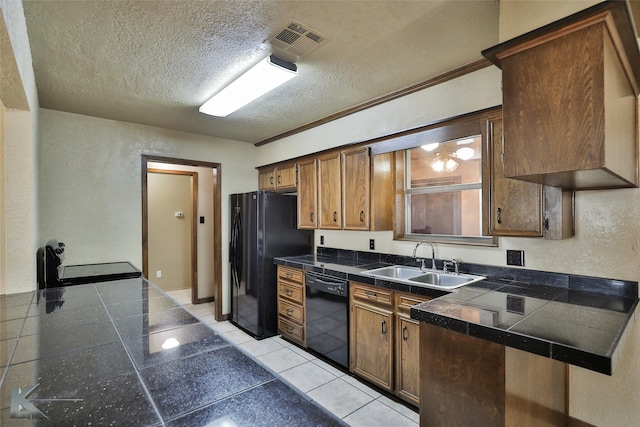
column 497, row 350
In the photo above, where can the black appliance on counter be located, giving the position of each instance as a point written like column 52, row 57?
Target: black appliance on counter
column 263, row 226
column 327, row 301
column 52, row 274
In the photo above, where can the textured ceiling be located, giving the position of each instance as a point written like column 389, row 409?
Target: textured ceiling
column 155, row 62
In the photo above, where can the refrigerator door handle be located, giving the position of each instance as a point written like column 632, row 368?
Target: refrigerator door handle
column 236, row 236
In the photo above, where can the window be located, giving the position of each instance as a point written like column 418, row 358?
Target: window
column 440, row 170
column 443, row 188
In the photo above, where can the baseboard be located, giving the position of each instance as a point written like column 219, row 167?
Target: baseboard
column 572, row 422
column 204, row 300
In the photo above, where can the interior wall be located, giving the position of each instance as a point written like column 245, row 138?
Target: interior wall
column 3, row 236
column 90, row 184
column 206, row 250
column 170, row 236
column 20, row 99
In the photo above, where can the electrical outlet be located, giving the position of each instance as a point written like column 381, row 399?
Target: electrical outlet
column 159, row 273
column 322, row 240
column 372, row 244
column 515, row 257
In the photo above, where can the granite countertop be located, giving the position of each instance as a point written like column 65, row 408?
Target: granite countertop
column 573, row 319
column 124, row 353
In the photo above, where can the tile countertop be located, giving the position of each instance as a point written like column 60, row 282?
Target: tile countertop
column 574, row 319
column 124, row 353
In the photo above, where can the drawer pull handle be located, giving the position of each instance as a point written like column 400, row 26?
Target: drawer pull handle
column 289, row 275
column 335, row 216
column 371, row 295
column 290, row 312
column 384, row 327
column 279, row 179
column 289, row 329
column 499, row 219
column 361, row 216
column 289, row 292
column 311, row 216
column 404, row 333
column 271, row 180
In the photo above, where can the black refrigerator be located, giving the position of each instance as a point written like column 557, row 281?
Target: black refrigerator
column 263, row 226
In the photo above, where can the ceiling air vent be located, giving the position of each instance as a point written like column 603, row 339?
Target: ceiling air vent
column 297, row 39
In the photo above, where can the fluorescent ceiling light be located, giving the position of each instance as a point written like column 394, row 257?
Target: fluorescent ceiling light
column 464, row 141
column 266, row 75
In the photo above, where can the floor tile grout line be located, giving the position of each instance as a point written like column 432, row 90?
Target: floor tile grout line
column 15, row 344
column 135, row 368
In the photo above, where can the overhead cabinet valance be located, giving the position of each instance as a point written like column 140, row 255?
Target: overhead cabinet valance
column 570, row 100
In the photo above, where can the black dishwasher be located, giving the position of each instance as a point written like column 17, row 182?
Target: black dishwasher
column 327, row 326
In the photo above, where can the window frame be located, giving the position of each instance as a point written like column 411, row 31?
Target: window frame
column 445, row 130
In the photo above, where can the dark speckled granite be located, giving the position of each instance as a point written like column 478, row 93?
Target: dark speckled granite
column 96, row 353
column 271, row 404
column 575, row 319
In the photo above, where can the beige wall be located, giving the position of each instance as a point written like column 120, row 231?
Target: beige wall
column 19, row 96
column 90, row 183
column 206, row 250
column 170, row 236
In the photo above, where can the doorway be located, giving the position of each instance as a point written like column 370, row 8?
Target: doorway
column 207, row 262
column 172, row 230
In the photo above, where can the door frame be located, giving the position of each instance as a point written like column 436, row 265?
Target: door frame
column 217, row 229
column 194, row 224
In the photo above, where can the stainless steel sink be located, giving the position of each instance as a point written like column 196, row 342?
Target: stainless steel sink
column 427, row 278
column 396, row 272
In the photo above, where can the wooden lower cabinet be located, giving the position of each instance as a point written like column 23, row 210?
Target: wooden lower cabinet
column 407, row 348
column 291, row 304
column 385, row 341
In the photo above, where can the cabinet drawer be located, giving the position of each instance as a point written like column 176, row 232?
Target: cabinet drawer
column 371, row 294
column 290, row 274
column 291, row 311
column 291, row 330
column 291, row 291
column 405, row 301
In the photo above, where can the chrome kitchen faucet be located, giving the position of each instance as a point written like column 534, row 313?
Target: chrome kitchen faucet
column 433, row 254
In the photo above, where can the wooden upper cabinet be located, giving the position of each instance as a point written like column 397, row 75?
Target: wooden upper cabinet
column 266, row 179
column 307, row 194
column 516, row 206
column 279, row 178
column 570, row 100
column 286, row 177
column 355, row 195
column 520, row 208
column 330, row 191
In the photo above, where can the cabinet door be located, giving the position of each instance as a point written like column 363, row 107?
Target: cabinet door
column 307, row 194
column 329, row 191
column 266, row 180
column 515, row 207
column 286, row 177
column 355, row 196
column 371, row 351
column 408, row 359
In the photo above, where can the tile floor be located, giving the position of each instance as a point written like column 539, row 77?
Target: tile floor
column 340, row 393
